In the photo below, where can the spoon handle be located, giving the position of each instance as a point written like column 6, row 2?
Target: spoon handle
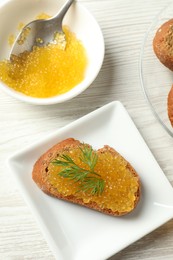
column 60, row 15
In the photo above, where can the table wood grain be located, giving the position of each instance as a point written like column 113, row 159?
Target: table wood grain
column 124, row 23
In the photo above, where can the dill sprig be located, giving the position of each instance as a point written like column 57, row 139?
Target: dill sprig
column 89, row 180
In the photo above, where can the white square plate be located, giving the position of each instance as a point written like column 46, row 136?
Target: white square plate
column 74, row 232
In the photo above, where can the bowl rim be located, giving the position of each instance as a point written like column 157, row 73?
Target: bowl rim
column 75, row 91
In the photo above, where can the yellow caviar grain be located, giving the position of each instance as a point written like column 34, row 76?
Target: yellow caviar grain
column 47, row 71
column 120, row 183
column 11, row 39
column 43, row 16
column 20, row 26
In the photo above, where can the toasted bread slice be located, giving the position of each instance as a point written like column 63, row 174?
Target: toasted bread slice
column 122, row 190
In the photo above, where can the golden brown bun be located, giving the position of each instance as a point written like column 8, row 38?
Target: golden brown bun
column 170, row 105
column 40, row 172
column 163, row 44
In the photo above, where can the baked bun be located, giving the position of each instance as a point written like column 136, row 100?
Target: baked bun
column 170, row 105
column 163, row 44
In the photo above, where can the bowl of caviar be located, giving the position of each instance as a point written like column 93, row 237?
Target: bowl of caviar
column 49, row 74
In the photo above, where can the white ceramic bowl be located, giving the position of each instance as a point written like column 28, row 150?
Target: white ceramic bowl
column 78, row 19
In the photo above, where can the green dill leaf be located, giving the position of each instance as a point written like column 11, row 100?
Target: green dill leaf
column 89, row 180
column 93, row 185
column 73, row 173
column 89, row 156
column 60, row 163
column 67, row 158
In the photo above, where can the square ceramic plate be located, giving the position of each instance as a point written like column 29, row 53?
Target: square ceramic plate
column 74, row 232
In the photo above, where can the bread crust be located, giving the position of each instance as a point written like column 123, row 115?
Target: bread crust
column 160, row 44
column 170, row 105
column 40, row 172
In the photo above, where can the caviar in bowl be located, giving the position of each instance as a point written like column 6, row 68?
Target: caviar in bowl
column 79, row 24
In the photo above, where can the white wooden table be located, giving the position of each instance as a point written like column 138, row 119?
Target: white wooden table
column 124, row 23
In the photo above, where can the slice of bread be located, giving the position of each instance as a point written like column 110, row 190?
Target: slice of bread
column 122, row 184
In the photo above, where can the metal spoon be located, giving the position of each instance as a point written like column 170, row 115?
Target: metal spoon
column 42, row 32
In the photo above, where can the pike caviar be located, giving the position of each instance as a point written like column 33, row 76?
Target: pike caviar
column 120, row 184
column 11, row 38
column 46, row 71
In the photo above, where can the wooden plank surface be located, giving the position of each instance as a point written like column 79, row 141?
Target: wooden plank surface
column 124, row 23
